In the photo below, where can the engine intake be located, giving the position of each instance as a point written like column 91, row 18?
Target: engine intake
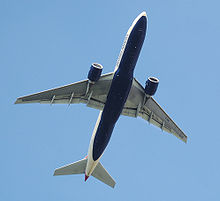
column 151, row 86
column 95, row 72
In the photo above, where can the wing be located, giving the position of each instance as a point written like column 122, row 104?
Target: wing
column 92, row 94
column 139, row 104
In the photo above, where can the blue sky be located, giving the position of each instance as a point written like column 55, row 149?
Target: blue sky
column 44, row 44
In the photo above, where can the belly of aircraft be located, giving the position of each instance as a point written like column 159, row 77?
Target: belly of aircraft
column 115, row 101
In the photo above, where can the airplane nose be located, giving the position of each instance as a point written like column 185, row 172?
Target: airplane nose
column 142, row 23
column 143, row 14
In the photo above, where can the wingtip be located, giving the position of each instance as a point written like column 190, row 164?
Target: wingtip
column 18, row 101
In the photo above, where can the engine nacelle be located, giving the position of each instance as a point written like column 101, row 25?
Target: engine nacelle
column 151, row 86
column 95, row 72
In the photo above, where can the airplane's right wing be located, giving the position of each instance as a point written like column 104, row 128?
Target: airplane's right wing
column 92, row 94
column 139, row 104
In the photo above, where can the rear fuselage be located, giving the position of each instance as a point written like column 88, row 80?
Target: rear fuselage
column 118, row 92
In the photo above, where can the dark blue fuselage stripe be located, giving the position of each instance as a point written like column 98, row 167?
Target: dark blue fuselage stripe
column 120, row 88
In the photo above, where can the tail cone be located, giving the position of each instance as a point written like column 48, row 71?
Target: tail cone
column 86, row 177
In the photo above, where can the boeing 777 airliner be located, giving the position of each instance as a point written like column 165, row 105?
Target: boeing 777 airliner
column 113, row 94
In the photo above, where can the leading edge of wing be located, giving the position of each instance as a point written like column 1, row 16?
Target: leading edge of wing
column 26, row 99
column 49, row 94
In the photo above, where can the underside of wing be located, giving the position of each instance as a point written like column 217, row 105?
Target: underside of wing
column 139, row 104
column 92, row 94
column 134, row 101
column 153, row 113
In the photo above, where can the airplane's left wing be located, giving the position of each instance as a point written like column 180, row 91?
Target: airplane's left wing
column 92, row 94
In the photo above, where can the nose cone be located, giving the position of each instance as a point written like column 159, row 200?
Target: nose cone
column 141, row 22
column 138, row 28
column 139, row 25
column 143, row 16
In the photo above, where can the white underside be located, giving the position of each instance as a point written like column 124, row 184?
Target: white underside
column 91, row 164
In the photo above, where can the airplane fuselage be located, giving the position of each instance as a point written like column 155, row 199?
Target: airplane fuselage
column 118, row 92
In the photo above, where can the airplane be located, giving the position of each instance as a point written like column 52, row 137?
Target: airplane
column 114, row 94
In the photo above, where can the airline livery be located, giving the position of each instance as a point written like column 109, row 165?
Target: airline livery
column 114, row 94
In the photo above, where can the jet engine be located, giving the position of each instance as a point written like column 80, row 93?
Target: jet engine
column 95, row 72
column 151, row 86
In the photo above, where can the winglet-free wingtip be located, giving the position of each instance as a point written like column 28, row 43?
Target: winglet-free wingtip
column 18, row 101
column 56, row 172
column 184, row 139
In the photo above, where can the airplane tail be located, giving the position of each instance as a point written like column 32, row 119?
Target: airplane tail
column 79, row 167
column 74, row 168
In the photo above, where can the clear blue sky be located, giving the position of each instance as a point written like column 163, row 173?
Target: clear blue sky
column 44, row 44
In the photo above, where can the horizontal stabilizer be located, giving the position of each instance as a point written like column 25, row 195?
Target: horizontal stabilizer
column 101, row 174
column 79, row 167
column 73, row 168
